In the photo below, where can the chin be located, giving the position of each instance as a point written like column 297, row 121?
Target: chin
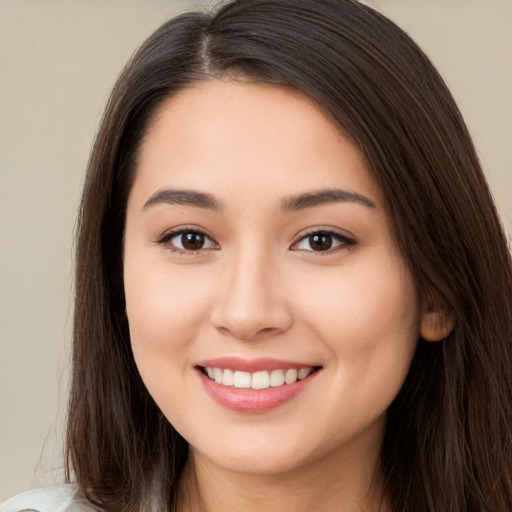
column 259, row 455
column 268, row 464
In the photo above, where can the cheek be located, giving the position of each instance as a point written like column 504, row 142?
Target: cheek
column 165, row 311
column 164, row 305
column 368, row 321
column 368, row 317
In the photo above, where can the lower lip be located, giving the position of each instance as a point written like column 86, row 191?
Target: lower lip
column 253, row 400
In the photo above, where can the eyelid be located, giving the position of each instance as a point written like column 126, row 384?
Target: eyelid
column 174, row 232
column 347, row 240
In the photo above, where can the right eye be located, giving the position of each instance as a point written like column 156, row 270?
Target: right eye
column 187, row 241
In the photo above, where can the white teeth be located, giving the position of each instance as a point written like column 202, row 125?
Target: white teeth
column 290, row 376
column 260, row 380
column 257, row 380
column 242, row 380
column 277, row 378
column 227, row 378
column 217, row 375
column 303, row 373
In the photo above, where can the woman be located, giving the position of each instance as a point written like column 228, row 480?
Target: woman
column 293, row 290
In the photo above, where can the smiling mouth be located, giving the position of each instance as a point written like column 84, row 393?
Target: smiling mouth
column 257, row 380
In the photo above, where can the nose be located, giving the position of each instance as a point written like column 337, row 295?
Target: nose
column 252, row 301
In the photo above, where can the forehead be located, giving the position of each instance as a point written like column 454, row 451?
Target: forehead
column 248, row 135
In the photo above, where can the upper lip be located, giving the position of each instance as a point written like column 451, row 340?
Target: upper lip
column 253, row 365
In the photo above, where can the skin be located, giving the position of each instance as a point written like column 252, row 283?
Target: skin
column 257, row 289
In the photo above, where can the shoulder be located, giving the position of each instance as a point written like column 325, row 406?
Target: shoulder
column 55, row 498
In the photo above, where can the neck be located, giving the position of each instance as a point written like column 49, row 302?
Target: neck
column 330, row 485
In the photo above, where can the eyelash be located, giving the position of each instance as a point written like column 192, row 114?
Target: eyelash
column 167, row 237
column 344, row 242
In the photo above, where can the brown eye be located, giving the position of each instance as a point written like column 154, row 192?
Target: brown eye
column 192, row 241
column 323, row 241
column 188, row 241
column 320, row 241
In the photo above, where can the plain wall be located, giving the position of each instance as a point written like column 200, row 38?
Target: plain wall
column 58, row 62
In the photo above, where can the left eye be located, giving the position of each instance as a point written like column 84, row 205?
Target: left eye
column 189, row 241
column 322, row 241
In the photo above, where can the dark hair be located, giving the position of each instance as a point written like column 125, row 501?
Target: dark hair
column 448, row 443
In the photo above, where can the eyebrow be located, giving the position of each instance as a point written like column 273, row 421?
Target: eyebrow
column 182, row 197
column 289, row 204
column 310, row 199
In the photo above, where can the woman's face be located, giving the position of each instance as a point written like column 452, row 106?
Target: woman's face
column 258, row 250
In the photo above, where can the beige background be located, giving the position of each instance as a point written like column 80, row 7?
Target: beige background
column 58, row 61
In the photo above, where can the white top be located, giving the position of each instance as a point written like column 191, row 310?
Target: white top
column 55, row 498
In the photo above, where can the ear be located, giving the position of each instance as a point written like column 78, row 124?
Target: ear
column 437, row 323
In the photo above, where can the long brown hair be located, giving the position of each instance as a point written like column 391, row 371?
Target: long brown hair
column 448, row 444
